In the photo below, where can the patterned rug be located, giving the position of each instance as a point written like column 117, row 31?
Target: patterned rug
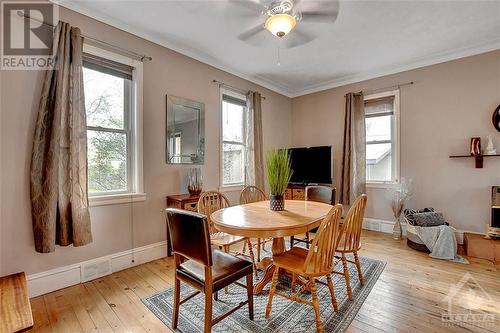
column 286, row 315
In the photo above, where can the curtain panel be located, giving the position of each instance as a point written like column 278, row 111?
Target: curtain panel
column 254, row 153
column 353, row 181
column 58, row 175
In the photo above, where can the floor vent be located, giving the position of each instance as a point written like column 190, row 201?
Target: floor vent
column 94, row 270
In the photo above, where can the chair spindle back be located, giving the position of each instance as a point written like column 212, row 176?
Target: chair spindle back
column 350, row 234
column 320, row 257
column 210, row 202
column 251, row 194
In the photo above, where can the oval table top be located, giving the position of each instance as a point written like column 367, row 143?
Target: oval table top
column 257, row 220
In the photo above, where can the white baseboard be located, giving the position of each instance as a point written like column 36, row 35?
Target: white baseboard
column 387, row 226
column 381, row 225
column 62, row 277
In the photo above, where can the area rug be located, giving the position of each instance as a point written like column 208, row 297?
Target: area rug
column 286, row 315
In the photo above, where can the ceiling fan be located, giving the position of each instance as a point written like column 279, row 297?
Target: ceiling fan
column 285, row 19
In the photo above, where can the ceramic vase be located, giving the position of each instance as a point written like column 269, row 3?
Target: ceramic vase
column 276, row 202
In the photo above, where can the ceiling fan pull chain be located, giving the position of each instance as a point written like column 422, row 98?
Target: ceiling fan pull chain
column 278, row 54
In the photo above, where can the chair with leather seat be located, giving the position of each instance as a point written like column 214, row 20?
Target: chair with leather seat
column 206, row 269
column 318, row 193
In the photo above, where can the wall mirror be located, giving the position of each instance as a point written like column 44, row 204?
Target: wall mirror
column 185, row 131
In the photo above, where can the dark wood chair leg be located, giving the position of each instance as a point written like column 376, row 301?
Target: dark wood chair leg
column 177, row 297
column 208, row 300
column 216, row 296
column 307, row 240
column 292, row 240
column 250, row 295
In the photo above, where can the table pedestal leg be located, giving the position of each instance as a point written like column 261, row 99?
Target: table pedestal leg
column 278, row 248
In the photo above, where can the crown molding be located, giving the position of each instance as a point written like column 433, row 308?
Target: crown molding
column 265, row 83
column 433, row 59
column 488, row 46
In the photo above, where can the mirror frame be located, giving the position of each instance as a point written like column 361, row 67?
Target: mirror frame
column 172, row 100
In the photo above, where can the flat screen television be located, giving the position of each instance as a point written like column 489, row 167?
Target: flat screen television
column 311, row 164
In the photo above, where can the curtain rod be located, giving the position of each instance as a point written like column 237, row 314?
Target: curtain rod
column 245, row 92
column 385, row 88
column 138, row 56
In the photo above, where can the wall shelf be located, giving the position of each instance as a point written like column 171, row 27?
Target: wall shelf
column 478, row 158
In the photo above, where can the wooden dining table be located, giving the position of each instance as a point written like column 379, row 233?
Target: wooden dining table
column 256, row 220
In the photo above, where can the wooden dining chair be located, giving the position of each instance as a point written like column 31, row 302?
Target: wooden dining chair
column 350, row 240
column 210, row 202
column 205, row 269
column 310, row 264
column 251, row 194
column 324, row 194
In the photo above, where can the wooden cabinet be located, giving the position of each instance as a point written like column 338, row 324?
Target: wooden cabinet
column 181, row 201
column 295, row 192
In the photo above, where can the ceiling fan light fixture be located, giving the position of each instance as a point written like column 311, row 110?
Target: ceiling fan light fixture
column 280, row 24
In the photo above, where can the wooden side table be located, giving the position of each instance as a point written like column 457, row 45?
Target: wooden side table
column 181, row 201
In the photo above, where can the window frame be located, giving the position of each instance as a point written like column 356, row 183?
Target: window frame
column 233, row 186
column 395, row 140
column 133, row 121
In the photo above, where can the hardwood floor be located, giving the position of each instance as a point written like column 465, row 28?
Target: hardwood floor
column 408, row 297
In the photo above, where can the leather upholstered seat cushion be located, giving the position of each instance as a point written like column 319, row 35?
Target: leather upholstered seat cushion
column 226, row 269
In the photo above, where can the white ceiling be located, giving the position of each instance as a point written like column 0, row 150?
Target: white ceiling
column 368, row 39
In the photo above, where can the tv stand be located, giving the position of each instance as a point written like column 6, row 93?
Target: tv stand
column 297, row 191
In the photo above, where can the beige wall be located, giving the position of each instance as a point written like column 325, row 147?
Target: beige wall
column 448, row 104
column 169, row 72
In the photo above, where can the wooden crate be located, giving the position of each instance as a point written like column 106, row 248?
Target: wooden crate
column 477, row 246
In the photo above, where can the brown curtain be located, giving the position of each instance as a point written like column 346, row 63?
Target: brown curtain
column 255, row 156
column 353, row 182
column 59, row 160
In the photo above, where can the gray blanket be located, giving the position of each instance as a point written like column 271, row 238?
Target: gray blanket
column 440, row 240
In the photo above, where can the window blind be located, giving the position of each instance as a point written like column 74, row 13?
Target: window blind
column 107, row 66
column 377, row 106
column 234, row 100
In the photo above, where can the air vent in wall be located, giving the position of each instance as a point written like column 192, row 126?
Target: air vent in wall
column 94, row 270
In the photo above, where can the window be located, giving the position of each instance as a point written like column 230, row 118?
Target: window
column 112, row 103
column 382, row 133
column 234, row 112
column 175, row 147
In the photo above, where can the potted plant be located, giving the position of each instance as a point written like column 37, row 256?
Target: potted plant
column 278, row 176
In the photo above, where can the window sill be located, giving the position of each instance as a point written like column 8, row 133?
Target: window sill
column 382, row 185
column 115, row 199
column 231, row 188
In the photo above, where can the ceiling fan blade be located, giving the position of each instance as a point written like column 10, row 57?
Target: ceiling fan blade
column 327, row 17
column 297, row 38
column 245, row 36
column 318, row 11
column 253, row 5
